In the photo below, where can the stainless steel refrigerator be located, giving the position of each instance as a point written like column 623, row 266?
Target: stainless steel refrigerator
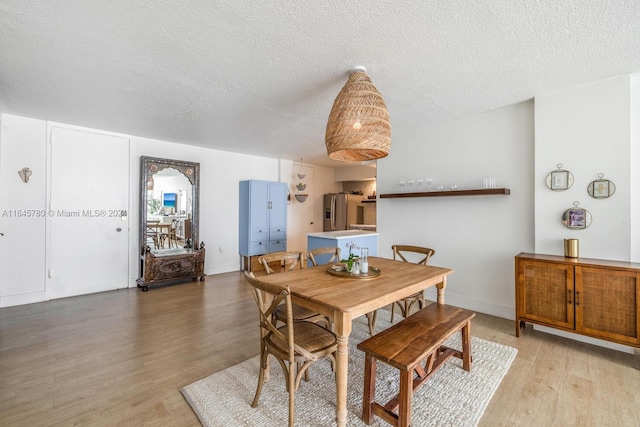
column 340, row 210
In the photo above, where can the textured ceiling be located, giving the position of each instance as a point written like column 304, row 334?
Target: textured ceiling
column 260, row 77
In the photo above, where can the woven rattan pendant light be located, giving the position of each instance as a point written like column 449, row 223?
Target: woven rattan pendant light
column 358, row 128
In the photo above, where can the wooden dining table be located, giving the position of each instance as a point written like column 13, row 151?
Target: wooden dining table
column 343, row 299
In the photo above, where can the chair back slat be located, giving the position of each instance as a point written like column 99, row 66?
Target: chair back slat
column 292, row 260
column 267, row 297
column 334, row 252
column 401, row 251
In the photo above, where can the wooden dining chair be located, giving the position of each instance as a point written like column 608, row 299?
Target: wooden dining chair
column 280, row 262
column 296, row 345
column 334, row 255
column 172, row 235
column 423, row 255
column 152, row 235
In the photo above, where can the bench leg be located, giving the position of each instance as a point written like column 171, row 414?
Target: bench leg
column 369, row 393
column 406, row 393
column 466, row 346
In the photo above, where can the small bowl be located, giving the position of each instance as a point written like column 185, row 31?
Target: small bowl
column 301, row 197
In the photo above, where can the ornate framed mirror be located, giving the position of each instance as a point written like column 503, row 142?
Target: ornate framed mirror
column 169, row 221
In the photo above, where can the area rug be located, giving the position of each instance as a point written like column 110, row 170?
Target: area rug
column 452, row 397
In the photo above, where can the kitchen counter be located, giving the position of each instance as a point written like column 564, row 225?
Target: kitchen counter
column 342, row 238
column 341, row 234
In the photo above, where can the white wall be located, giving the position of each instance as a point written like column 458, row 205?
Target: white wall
column 587, row 129
column 22, row 210
column 634, row 187
column 220, row 173
column 477, row 236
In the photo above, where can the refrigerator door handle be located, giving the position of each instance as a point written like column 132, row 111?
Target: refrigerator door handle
column 333, row 212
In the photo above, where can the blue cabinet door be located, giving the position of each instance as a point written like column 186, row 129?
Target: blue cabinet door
column 263, row 217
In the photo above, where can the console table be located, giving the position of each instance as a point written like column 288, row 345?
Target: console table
column 591, row 297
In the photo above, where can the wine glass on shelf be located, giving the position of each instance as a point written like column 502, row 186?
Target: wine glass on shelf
column 410, row 186
column 429, row 182
column 402, row 183
column 420, row 182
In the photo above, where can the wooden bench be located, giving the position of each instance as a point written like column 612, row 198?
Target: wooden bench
column 404, row 346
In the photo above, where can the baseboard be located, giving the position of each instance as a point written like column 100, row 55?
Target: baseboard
column 22, row 299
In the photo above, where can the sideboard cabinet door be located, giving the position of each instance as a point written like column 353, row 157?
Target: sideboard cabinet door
column 546, row 293
column 607, row 303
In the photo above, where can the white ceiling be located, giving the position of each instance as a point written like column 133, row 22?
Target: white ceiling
column 260, row 77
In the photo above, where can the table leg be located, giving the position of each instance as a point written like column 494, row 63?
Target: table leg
column 440, row 289
column 342, row 326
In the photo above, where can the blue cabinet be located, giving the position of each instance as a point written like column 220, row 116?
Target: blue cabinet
column 263, row 217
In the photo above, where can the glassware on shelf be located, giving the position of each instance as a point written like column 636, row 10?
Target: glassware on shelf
column 410, row 186
column 420, row 182
column 440, row 188
column 429, row 181
column 489, row 183
column 402, row 183
column 454, row 187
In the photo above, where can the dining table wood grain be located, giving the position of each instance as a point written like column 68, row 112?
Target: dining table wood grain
column 343, row 299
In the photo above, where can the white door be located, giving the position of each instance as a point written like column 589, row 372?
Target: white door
column 88, row 248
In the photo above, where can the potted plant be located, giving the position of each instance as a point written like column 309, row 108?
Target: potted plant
column 352, row 257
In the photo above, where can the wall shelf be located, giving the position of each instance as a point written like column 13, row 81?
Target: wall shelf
column 479, row 192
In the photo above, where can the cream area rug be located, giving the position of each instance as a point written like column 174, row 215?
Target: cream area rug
column 452, row 397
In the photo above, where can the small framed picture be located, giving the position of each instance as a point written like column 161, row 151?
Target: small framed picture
column 559, row 180
column 601, row 188
column 576, row 218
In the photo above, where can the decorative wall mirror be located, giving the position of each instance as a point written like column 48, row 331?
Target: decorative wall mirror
column 576, row 218
column 601, row 188
column 560, row 179
column 169, row 221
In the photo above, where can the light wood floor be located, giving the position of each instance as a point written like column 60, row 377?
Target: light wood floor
column 119, row 358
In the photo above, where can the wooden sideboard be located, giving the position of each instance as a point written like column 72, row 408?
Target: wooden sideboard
column 591, row 297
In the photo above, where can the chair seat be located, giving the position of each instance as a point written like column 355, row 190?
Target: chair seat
column 299, row 313
column 310, row 336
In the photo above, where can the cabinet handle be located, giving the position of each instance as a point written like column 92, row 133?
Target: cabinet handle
column 577, row 298
column 569, row 297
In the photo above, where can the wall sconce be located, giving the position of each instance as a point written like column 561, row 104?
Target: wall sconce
column 25, row 174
